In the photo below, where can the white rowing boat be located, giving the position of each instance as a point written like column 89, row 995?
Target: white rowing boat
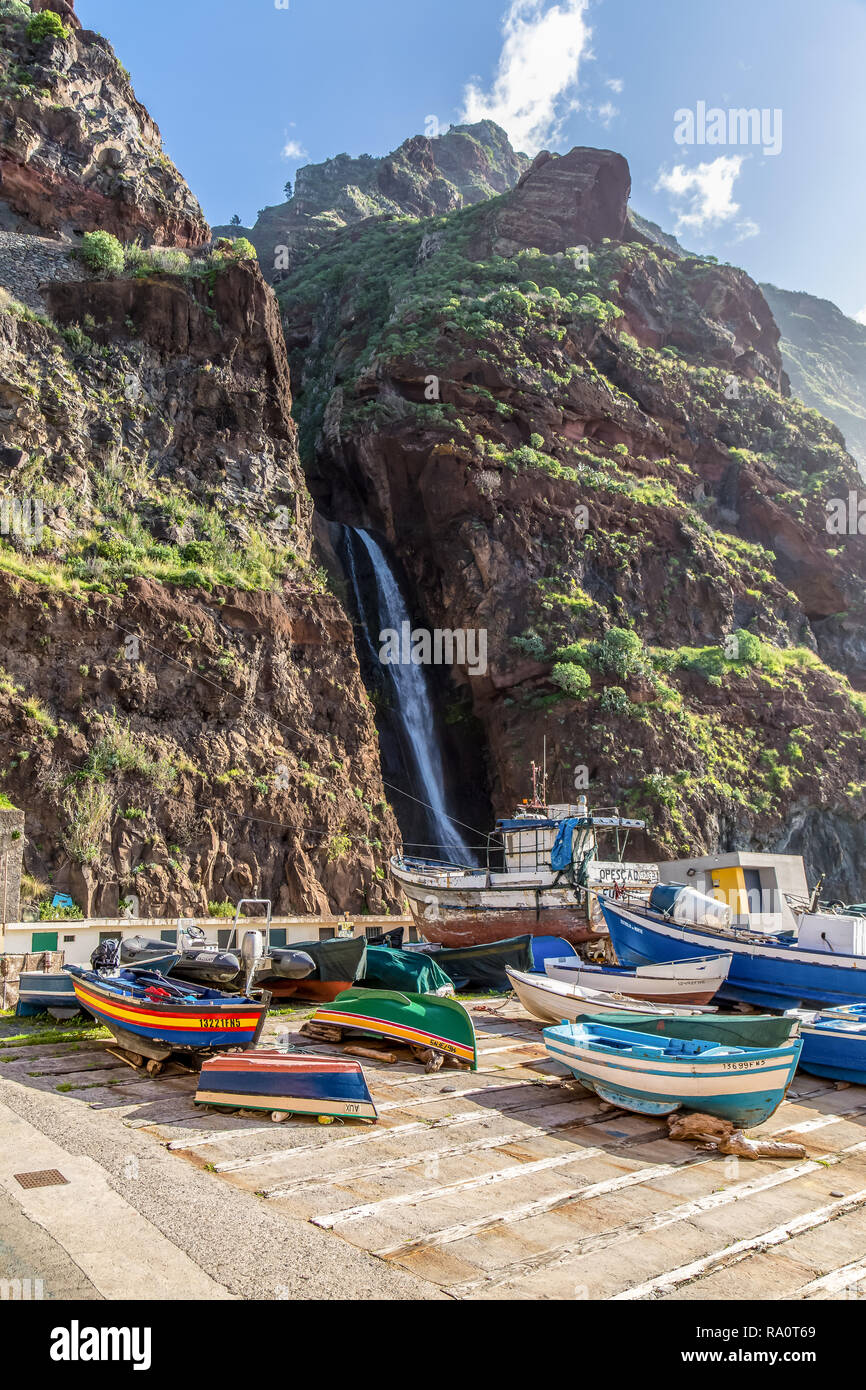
column 551, row 1001
column 674, row 982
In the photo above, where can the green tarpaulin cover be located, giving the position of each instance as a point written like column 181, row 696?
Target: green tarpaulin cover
column 406, row 971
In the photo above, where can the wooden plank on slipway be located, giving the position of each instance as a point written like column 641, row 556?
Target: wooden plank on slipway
column 589, row 1245
column 743, row 1249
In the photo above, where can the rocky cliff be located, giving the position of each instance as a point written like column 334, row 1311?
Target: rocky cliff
column 824, row 353
column 582, row 441
column 425, row 177
column 181, row 712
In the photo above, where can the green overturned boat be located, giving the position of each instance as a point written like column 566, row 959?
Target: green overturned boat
column 725, row 1030
column 418, row 1020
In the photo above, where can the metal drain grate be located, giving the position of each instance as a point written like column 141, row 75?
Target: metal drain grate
column 45, row 1177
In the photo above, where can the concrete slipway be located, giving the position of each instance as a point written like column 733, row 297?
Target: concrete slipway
column 505, row 1183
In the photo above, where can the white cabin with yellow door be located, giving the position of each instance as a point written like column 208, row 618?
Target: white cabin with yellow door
column 765, row 892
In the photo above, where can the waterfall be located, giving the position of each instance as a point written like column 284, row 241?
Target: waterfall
column 411, row 696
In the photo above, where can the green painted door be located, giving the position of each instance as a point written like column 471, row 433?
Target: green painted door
column 44, row 941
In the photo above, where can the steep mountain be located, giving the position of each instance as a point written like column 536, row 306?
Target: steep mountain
column 582, row 441
column 181, row 712
column 824, row 353
column 425, row 177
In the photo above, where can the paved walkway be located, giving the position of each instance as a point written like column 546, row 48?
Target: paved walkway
column 133, row 1222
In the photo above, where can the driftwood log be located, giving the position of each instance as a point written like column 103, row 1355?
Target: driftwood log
column 374, row 1054
column 322, row 1032
column 720, row 1136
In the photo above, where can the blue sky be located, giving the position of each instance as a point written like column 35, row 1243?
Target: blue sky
column 241, row 87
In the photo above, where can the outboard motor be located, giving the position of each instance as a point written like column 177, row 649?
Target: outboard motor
column 252, row 951
column 106, row 956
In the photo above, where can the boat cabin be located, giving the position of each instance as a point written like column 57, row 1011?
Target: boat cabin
column 765, row 892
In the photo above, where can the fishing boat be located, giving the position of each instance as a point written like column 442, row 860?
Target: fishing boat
column 823, row 961
column 419, row 1020
column 409, row 971
column 548, row 886
column 674, row 982
column 336, row 965
column 551, row 1001
column 286, row 1084
column 728, row 1030
column 42, row 992
column 834, row 1043
column 151, row 1015
column 482, row 966
column 655, row 1075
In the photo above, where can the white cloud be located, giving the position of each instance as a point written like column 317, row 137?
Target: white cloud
column 606, row 112
column 293, row 149
column 616, row 84
column 746, row 229
column 861, row 316
column 538, row 70
column 704, row 195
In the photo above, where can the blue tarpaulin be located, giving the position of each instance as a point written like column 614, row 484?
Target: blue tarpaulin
column 560, row 855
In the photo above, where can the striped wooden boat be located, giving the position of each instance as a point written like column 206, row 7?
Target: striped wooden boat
column 656, row 1076
column 286, row 1083
column 834, row 1043
column 551, row 1001
column 670, row 982
column 163, row 1016
column 419, row 1020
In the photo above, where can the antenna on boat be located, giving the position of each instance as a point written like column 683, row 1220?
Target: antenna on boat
column 544, row 773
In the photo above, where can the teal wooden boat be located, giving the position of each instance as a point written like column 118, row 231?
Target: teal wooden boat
column 418, row 1020
column 725, row 1030
column 656, row 1075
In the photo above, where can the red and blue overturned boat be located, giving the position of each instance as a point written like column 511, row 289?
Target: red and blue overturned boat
column 286, row 1084
column 154, row 1016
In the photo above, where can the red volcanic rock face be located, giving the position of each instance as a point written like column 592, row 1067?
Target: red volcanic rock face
column 574, row 200
column 78, row 151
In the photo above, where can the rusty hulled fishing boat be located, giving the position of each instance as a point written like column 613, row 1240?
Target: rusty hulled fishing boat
column 553, row 871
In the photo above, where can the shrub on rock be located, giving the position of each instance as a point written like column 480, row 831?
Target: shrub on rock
column 101, row 252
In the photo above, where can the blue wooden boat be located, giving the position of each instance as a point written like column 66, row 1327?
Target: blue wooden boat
column 834, row 1043
column 39, row 991
column 658, row 1075
column 286, row 1083
column 154, row 1016
column 545, row 948
column 770, row 971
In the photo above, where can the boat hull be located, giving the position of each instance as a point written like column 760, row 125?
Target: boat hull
column 472, row 909
column 204, row 1024
column 763, row 972
column 296, row 1084
column 745, row 1087
column 310, row 991
column 551, row 1001
column 418, row 1020
column 697, row 982
column 836, row 1047
column 38, row 991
